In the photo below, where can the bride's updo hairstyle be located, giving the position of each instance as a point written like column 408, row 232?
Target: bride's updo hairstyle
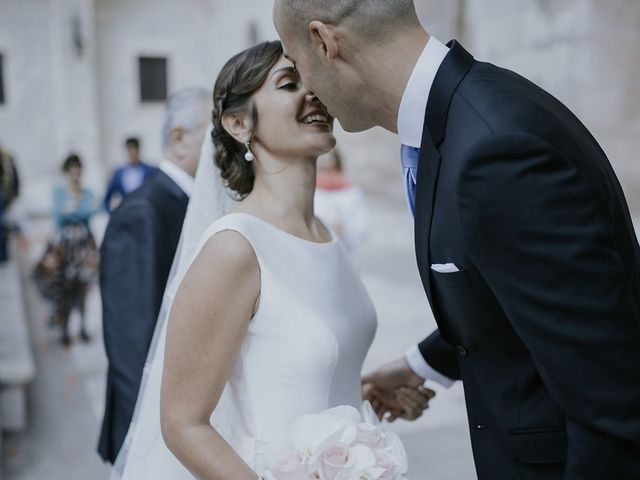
column 237, row 82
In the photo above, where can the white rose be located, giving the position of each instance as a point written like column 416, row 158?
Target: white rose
column 315, row 433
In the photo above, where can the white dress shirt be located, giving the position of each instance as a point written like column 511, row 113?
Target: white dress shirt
column 132, row 178
column 416, row 93
column 185, row 181
column 410, row 124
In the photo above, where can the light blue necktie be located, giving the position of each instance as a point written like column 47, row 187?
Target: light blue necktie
column 410, row 156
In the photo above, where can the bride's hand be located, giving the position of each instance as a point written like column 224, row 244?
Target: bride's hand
column 382, row 402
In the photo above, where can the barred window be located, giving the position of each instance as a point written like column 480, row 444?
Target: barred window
column 153, row 79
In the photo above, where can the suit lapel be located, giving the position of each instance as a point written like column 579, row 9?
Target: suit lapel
column 429, row 167
column 453, row 69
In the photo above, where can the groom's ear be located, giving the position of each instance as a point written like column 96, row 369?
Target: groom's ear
column 238, row 125
column 324, row 40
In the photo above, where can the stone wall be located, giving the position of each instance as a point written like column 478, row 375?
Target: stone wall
column 50, row 89
column 585, row 52
column 196, row 36
column 71, row 75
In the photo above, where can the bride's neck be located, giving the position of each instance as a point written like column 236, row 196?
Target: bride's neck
column 285, row 194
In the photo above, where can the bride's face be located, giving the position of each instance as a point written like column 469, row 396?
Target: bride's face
column 291, row 121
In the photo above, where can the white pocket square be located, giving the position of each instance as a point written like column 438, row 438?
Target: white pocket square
column 445, row 268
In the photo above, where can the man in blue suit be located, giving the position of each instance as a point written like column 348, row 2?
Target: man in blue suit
column 127, row 178
column 136, row 256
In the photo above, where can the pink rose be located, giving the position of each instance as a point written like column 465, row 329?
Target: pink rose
column 386, row 462
column 368, row 435
column 332, row 461
column 289, row 466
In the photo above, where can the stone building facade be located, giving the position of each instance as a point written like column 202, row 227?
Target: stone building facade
column 71, row 75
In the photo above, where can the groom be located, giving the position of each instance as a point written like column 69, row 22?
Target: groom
column 523, row 239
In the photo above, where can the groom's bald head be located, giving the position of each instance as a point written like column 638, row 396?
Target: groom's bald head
column 372, row 19
column 349, row 51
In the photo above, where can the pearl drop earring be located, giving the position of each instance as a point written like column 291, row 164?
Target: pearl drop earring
column 249, row 156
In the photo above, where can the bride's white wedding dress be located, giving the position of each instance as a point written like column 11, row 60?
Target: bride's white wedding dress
column 303, row 352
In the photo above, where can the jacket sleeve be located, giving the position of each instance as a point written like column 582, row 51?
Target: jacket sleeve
column 542, row 236
column 440, row 355
column 111, row 189
column 130, row 297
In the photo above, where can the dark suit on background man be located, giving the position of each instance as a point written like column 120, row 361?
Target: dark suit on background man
column 137, row 253
column 118, row 187
column 542, row 320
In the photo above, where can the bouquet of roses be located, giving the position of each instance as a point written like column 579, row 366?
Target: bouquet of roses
column 341, row 444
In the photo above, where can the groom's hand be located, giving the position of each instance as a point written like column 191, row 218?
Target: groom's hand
column 396, row 389
column 414, row 402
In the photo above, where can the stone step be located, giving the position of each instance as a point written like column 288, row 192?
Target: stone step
column 17, row 366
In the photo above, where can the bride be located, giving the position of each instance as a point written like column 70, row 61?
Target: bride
column 267, row 318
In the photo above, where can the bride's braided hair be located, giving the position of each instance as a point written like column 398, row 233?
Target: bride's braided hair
column 238, row 80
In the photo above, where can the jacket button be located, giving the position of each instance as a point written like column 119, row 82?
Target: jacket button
column 463, row 352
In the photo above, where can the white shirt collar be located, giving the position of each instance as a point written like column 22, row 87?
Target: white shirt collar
column 416, row 94
column 178, row 175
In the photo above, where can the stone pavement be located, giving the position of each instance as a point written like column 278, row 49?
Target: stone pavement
column 63, row 403
column 66, row 399
column 17, row 365
column 438, row 443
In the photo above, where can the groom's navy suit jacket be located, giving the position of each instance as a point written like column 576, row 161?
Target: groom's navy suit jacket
column 542, row 322
column 137, row 252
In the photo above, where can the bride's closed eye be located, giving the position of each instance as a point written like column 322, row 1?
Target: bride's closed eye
column 293, row 86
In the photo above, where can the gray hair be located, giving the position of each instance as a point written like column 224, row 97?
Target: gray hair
column 373, row 19
column 184, row 110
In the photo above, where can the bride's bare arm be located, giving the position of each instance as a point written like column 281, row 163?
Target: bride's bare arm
column 207, row 324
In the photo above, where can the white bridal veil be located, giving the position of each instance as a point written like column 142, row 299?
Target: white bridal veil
column 211, row 200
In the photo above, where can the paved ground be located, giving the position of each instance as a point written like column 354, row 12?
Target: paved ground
column 438, row 443
column 66, row 400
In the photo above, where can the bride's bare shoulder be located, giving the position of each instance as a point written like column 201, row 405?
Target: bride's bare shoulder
column 226, row 268
column 228, row 249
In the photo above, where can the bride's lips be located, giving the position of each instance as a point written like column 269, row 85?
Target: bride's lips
column 316, row 118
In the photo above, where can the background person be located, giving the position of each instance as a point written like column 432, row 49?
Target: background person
column 70, row 263
column 340, row 202
column 137, row 251
column 129, row 177
column 9, row 191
